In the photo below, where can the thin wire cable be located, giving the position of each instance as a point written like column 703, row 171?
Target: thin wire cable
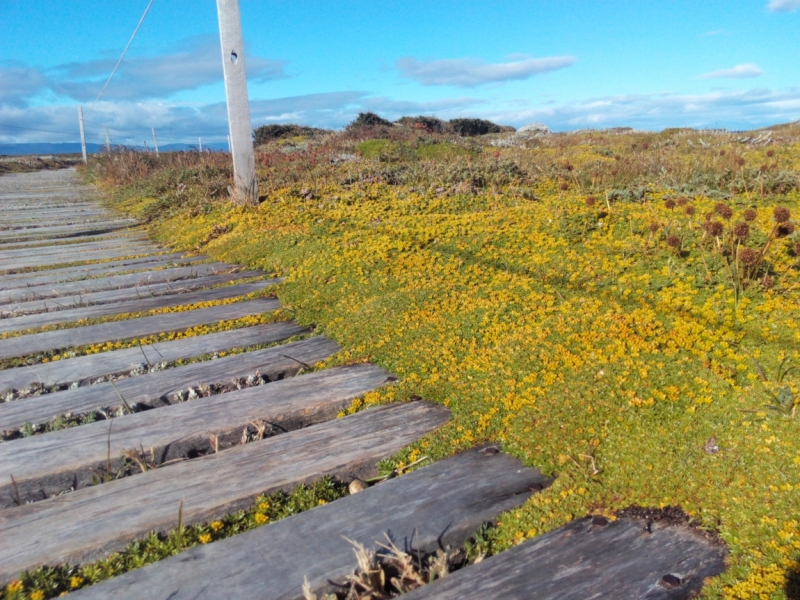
column 32, row 129
column 146, row 10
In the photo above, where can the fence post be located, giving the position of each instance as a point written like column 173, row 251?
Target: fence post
column 240, row 127
column 83, row 135
column 155, row 140
column 200, row 144
column 108, row 142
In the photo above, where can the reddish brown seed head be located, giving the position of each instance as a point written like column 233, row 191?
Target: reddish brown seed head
column 683, row 201
column 723, row 210
column 797, row 248
column 781, row 214
column 714, row 228
column 674, row 241
column 740, row 161
column 590, row 201
column 654, row 227
column 784, row 230
column 750, row 215
column 767, row 282
column 748, row 256
column 669, row 203
column 689, row 210
column 741, row 231
column 770, row 153
column 564, row 186
column 722, row 152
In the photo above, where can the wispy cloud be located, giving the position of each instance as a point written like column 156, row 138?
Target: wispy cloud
column 18, row 83
column 742, row 71
column 466, row 72
column 783, row 5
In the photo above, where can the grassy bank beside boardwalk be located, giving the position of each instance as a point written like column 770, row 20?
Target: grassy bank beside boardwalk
column 619, row 310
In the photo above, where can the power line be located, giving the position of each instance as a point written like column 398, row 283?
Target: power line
column 135, row 31
column 32, row 129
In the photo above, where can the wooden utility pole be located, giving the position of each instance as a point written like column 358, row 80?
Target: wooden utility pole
column 108, row 142
column 200, row 144
column 155, row 140
column 241, row 129
column 83, row 135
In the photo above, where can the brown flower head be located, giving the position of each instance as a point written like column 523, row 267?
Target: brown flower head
column 689, row 210
column 781, row 214
column 741, row 231
column 723, row 210
column 750, row 215
column 683, row 201
column 654, row 227
column 770, row 153
column 722, row 152
column 740, row 161
column 674, row 241
column 669, row 203
column 785, row 229
column 708, row 216
column 714, row 228
column 564, row 186
column 748, row 256
column 767, row 282
column 590, row 200
column 797, row 248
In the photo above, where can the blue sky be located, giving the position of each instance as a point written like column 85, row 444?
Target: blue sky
column 569, row 64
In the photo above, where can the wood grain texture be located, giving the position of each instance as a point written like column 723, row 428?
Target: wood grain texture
column 85, row 369
column 82, row 272
column 442, row 504
column 124, row 235
column 111, row 282
column 66, row 231
column 91, row 522
column 60, row 253
column 35, row 261
column 133, row 328
column 161, row 387
column 620, row 560
column 47, row 465
column 120, row 297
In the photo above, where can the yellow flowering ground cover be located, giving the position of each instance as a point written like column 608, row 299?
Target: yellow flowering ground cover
column 637, row 341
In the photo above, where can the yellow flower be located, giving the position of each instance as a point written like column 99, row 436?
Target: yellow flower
column 263, row 506
column 75, row 581
column 37, row 595
column 14, row 587
column 204, row 538
column 322, row 501
column 216, row 526
column 261, row 518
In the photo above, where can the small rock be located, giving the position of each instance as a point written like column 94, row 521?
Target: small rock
column 357, row 486
column 710, row 446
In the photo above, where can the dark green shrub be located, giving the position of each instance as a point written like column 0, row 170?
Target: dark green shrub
column 267, row 133
column 425, row 124
column 368, row 119
column 471, row 127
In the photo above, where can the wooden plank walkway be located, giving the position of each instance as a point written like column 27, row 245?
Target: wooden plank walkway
column 627, row 558
column 121, row 297
column 134, row 328
column 202, row 466
column 85, row 369
column 45, row 290
column 161, row 387
column 438, row 505
column 83, row 272
column 47, row 465
column 94, row 521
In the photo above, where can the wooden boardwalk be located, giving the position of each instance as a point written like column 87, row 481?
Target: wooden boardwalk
column 233, row 411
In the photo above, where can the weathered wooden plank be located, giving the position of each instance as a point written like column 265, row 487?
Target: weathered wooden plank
column 622, row 559
column 67, row 231
column 133, row 328
column 47, row 465
column 91, row 522
column 57, row 253
column 84, row 369
column 80, row 272
column 34, row 261
column 65, row 242
column 161, row 387
column 121, row 296
column 438, row 505
column 110, row 282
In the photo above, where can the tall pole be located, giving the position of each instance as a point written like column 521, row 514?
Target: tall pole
column 108, row 142
column 155, row 140
column 200, row 144
column 241, row 129
column 83, row 135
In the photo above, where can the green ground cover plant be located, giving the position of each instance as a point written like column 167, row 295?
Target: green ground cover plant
column 617, row 308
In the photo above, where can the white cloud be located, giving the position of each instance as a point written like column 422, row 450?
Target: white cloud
column 466, row 72
column 783, row 5
column 738, row 72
